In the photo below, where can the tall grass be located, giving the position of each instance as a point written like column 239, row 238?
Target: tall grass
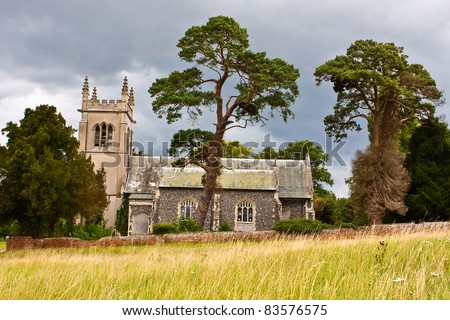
column 405, row 267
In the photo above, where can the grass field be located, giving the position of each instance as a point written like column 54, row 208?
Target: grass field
column 406, row 267
column 2, row 245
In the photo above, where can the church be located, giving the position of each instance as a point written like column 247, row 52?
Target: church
column 251, row 194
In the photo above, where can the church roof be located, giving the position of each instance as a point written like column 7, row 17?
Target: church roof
column 291, row 178
column 191, row 177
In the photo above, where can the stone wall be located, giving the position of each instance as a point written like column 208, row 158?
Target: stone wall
column 17, row 243
column 265, row 216
column 167, row 207
column 295, row 206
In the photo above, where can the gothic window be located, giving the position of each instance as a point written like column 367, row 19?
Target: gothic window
column 103, row 135
column 97, row 136
column 110, row 135
column 187, row 208
column 245, row 212
column 103, row 141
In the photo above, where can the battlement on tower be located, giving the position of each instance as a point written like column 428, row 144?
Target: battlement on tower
column 92, row 103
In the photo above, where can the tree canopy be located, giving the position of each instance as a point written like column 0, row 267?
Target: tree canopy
column 229, row 79
column 429, row 165
column 44, row 178
column 375, row 82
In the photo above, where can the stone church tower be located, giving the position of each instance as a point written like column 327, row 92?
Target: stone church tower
column 105, row 134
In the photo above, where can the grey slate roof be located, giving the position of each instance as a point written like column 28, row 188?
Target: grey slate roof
column 140, row 196
column 292, row 178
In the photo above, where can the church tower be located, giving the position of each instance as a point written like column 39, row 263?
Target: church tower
column 105, row 134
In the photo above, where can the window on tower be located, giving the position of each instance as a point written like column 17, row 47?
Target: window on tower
column 97, row 136
column 103, row 141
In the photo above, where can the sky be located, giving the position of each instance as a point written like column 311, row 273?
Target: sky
column 48, row 47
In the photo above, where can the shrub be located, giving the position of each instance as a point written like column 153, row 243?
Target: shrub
column 300, row 226
column 188, row 225
column 224, row 226
column 164, row 227
column 90, row 231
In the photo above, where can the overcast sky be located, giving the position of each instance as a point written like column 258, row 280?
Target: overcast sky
column 48, row 47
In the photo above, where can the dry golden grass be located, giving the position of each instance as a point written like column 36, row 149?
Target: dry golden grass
column 407, row 267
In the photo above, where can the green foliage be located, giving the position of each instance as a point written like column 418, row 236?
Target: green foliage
column 223, row 47
column 186, row 143
column 268, row 153
column 235, row 149
column 428, row 163
column 44, row 178
column 122, row 216
column 300, row 226
column 325, row 206
column 177, row 226
column 219, row 51
column 188, row 225
column 164, row 227
column 224, row 226
column 10, row 229
column 375, row 82
column 90, row 231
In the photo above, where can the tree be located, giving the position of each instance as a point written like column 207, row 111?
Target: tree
column 379, row 182
column 374, row 82
column 235, row 149
column 429, row 165
column 44, row 178
column 220, row 51
column 189, row 143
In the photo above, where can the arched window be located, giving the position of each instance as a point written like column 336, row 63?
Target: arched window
column 245, row 212
column 97, row 136
column 187, row 208
column 103, row 141
column 110, row 135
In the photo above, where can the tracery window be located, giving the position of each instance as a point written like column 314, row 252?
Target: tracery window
column 187, row 208
column 103, row 135
column 245, row 212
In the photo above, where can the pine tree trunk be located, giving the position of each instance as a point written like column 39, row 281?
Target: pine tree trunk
column 207, row 194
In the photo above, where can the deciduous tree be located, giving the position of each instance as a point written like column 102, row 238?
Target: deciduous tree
column 237, row 84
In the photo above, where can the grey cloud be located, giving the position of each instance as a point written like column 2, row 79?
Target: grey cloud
column 54, row 44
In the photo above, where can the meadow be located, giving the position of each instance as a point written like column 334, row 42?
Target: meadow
column 414, row 266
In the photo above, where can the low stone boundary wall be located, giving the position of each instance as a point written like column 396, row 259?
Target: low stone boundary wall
column 18, row 243
column 384, row 230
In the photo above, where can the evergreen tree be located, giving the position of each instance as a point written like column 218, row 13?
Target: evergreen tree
column 428, row 163
column 375, row 83
column 44, row 178
column 220, row 53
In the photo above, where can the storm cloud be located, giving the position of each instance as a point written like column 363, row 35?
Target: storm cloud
column 48, row 47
